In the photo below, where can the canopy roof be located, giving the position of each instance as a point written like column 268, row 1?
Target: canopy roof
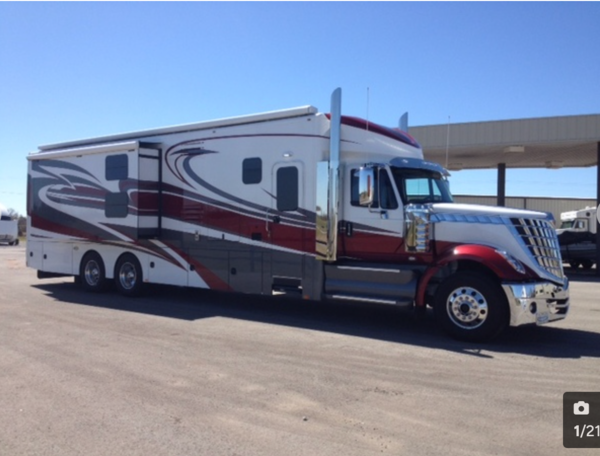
column 548, row 142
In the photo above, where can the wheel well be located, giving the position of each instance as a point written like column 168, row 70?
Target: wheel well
column 106, row 258
column 469, row 265
column 451, row 268
column 91, row 252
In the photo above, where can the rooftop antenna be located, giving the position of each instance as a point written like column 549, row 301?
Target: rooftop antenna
column 447, row 141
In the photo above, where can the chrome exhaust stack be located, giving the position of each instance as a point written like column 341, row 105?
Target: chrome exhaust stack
column 328, row 187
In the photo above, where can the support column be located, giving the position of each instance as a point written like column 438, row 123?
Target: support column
column 597, row 203
column 501, row 194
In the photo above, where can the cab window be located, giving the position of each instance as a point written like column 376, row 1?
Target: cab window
column 384, row 196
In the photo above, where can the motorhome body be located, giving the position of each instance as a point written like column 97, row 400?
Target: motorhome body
column 323, row 206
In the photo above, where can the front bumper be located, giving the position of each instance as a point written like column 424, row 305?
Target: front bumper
column 538, row 302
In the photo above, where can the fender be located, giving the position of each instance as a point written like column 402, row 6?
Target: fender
column 483, row 254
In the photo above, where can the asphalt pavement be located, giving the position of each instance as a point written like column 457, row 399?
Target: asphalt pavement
column 194, row 372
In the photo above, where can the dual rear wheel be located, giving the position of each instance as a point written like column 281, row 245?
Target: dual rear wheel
column 128, row 277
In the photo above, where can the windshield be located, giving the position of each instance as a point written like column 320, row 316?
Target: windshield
column 419, row 186
column 567, row 224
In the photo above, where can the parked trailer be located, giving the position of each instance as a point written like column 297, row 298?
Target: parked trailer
column 577, row 237
column 9, row 231
column 320, row 206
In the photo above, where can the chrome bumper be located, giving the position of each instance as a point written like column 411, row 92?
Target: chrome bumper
column 539, row 302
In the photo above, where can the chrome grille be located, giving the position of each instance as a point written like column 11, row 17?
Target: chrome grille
column 541, row 243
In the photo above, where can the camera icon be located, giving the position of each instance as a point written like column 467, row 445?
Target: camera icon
column 581, row 408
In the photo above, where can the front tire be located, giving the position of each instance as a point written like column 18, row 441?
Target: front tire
column 92, row 273
column 587, row 264
column 128, row 275
column 471, row 306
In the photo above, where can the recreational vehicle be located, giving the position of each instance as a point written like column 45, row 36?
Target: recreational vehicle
column 321, row 206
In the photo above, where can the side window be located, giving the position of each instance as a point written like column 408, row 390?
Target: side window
column 116, row 205
column 252, row 171
column 287, row 188
column 116, row 167
column 385, row 191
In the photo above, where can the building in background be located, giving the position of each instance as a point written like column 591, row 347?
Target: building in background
column 535, row 203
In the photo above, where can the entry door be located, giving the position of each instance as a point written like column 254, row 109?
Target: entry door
column 373, row 233
column 285, row 222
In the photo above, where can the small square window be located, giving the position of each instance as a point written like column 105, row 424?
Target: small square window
column 117, row 167
column 252, row 171
column 116, row 205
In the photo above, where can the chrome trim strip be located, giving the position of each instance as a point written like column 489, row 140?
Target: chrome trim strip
column 358, row 268
column 462, row 218
column 359, row 298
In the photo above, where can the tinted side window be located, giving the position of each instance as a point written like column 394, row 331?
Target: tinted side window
column 116, row 205
column 117, row 167
column 287, row 188
column 252, row 171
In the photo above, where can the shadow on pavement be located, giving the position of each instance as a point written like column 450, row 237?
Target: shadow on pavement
column 379, row 322
column 582, row 275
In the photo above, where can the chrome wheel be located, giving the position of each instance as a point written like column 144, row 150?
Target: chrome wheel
column 127, row 276
column 471, row 306
column 92, row 273
column 467, row 308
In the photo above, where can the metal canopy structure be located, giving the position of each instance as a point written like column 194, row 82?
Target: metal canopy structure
column 547, row 142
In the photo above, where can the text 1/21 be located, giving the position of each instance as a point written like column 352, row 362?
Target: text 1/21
column 587, row 430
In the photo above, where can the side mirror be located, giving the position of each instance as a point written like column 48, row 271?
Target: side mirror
column 366, row 179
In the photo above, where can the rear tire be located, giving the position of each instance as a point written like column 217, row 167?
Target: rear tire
column 574, row 264
column 587, row 264
column 471, row 306
column 128, row 275
column 92, row 273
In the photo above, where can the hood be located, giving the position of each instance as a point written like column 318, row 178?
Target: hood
column 481, row 210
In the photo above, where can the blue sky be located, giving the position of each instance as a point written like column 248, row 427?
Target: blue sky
column 76, row 70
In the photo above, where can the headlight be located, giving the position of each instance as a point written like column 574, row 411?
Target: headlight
column 516, row 264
